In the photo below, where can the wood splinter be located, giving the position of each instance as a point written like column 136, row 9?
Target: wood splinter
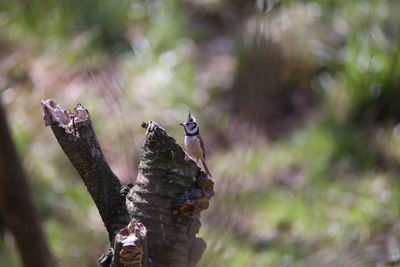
column 130, row 243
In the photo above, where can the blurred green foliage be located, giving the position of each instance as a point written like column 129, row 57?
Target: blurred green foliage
column 299, row 108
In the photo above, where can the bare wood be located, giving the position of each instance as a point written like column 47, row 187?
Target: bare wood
column 16, row 204
column 130, row 248
column 75, row 134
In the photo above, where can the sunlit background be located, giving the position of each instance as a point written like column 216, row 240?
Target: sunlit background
column 298, row 103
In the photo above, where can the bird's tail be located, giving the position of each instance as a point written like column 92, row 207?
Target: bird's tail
column 206, row 168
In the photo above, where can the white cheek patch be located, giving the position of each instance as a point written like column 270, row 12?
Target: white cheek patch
column 192, row 130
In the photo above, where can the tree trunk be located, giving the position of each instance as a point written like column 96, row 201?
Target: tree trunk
column 16, row 204
column 159, row 226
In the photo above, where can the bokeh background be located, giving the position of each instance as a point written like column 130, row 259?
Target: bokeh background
column 298, row 102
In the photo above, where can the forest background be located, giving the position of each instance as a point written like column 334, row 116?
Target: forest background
column 298, row 103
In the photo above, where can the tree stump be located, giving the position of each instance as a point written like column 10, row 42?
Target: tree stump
column 153, row 222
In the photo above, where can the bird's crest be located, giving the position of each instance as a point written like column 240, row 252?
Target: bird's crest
column 191, row 118
column 191, row 126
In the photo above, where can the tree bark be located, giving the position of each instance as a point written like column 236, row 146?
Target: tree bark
column 164, row 204
column 168, row 195
column 16, row 204
column 75, row 134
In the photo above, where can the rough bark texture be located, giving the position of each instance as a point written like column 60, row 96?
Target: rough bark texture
column 75, row 134
column 164, row 204
column 16, row 204
column 168, row 195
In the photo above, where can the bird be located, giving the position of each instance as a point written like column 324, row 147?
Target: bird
column 194, row 144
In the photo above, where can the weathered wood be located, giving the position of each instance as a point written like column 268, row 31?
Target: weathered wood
column 75, row 134
column 166, row 199
column 130, row 246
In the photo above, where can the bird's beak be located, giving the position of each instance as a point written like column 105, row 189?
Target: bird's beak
column 182, row 124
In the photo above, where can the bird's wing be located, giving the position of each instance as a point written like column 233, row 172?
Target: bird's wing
column 202, row 146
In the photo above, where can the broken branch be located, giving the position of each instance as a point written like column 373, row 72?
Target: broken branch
column 75, row 134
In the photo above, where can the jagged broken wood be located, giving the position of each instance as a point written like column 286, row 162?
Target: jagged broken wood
column 130, row 245
column 158, row 223
column 75, row 134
